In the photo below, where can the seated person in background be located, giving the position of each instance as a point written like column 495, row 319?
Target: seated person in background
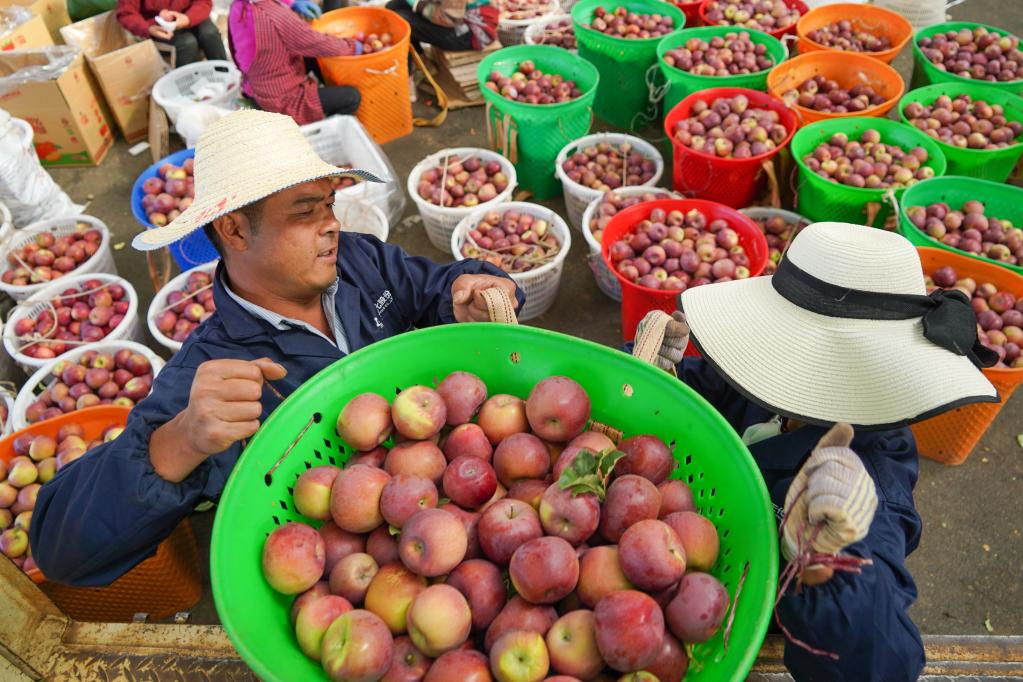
column 270, row 45
column 842, row 332
column 452, row 25
column 193, row 30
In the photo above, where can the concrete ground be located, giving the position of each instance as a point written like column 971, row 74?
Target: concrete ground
column 967, row 566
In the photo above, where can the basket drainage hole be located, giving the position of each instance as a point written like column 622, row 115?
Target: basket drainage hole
column 514, row 357
column 308, row 465
column 713, row 492
column 689, row 460
column 277, row 521
column 317, row 417
column 284, row 505
column 267, row 480
column 627, row 390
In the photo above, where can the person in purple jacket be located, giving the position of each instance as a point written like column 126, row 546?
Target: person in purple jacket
column 293, row 294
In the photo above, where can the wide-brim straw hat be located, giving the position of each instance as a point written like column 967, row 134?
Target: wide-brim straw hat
column 826, row 368
column 242, row 158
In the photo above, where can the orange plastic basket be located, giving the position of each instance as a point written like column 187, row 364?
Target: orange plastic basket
column 881, row 22
column 165, row 583
column 950, row 437
column 845, row 68
column 381, row 77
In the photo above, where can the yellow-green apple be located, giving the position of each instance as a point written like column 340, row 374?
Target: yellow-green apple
column 671, row 662
column 8, row 494
column 640, row 676
column 519, row 656
column 629, row 499
column 460, row 666
column 408, row 664
column 432, row 542
column 416, row 458
column 365, row 421
column 505, row 526
column 382, row 546
column 483, row 586
column 593, row 441
column 355, row 498
column 42, row 447
column 572, row 645
column 320, row 589
column 23, row 520
column 313, row 620
column 699, row 537
column 557, row 409
column 568, row 515
column 696, row 612
column 21, row 471
column 463, row 394
column 391, row 592
column 293, row 558
column 676, row 496
column 544, row 570
column 471, row 521
column 647, row 456
column 350, row 577
column 6, row 519
column 501, row 416
column 630, row 629
column 339, row 543
column 469, row 481
column 600, row 574
column 357, row 647
column 521, row 456
column 439, row 620
column 404, row 495
column 418, row 412
column 467, row 440
column 312, row 492
column 47, row 469
column 13, row 542
column 26, row 499
column 519, row 614
column 529, row 490
column 652, row 555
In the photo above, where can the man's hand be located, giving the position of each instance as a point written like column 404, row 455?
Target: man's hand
column 160, row 33
column 466, row 298
column 223, row 408
column 676, row 337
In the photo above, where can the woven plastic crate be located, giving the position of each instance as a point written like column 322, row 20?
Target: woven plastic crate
column 820, row 199
column 531, row 135
column 513, row 31
column 578, row 197
column 777, row 33
column 878, row 21
column 925, row 73
column 187, row 85
column 540, row 285
column 627, row 95
column 625, row 393
column 534, row 34
column 159, row 302
column 440, row 221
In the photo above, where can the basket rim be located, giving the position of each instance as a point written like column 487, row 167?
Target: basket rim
column 496, row 98
column 402, row 42
column 553, row 9
column 928, row 31
column 151, row 171
column 536, row 210
column 68, row 224
column 757, row 37
column 895, row 19
column 160, row 300
column 434, row 159
column 803, row 8
column 592, row 206
column 646, row 148
column 161, row 84
column 676, row 13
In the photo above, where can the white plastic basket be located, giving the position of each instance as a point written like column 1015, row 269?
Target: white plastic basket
column 101, row 261
column 606, row 281
column 6, row 223
column 127, row 330
column 160, row 302
column 43, row 379
column 181, row 87
column 577, row 197
column 342, row 140
column 8, row 426
column 356, row 215
column 512, row 31
column 539, row 285
column 440, row 221
column 921, row 13
column 764, row 212
column 534, row 32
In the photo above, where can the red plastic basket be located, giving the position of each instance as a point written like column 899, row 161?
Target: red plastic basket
column 732, row 182
column 637, row 301
column 691, row 10
column 788, row 30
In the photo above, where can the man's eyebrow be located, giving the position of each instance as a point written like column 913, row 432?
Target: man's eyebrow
column 311, row 199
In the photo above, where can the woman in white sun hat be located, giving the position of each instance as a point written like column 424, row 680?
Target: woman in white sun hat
column 820, row 368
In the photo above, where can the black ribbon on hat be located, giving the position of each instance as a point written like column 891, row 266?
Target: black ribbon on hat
column 948, row 317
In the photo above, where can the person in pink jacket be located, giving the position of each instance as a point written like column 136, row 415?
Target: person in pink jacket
column 185, row 24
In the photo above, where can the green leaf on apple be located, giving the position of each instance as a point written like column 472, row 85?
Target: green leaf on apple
column 589, row 472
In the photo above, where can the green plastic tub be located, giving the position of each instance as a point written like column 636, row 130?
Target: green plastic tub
column 682, row 83
column 925, row 73
column 531, row 135
column 989, row 164
column 1000, row 201
column 820, row 199
column 627, row 83
column 625, row 392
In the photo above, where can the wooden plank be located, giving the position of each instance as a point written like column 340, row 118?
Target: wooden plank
column 31, row 626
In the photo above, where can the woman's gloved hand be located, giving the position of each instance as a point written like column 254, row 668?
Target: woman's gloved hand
column 307, row 9
column 672, row 345
column 832, row 490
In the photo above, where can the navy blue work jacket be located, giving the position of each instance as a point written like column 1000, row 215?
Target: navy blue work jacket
column 106, row 512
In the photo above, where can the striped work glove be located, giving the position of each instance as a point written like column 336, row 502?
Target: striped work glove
column 837, row 493
column 670, row 347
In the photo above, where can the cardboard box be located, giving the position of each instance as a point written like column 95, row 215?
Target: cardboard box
column 126, row 69
column 53, row 13
column 67, row 114
column 26, row 36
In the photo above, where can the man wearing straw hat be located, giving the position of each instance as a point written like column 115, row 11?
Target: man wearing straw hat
column 293, row 294
column 842, row 334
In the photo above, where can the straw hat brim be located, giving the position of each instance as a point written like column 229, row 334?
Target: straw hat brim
column 820, row 369
column 208, row 207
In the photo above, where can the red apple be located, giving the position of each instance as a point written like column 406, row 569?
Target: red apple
column 600, row 574
column 518, row 614
column 382, row 546
column 351, row 577
column 373, row 458
column 463, row 394
column 558, row 409
column 471, row 521
column 355, row 498
column 505, row 526
column 544, row 570
column 357, row 646
column 404, row 495
column 339, row 544
column 675, row 497
column 313, row 620
column 696, row 612
column 469, row 481
column 391, row 592
column 467, row 440
column 573, row 517
column 501, row 416
column 432, row 543
column 529, row 490
column 629, row 499
column 418, row 412
column 416, row 458
column 645, row 456
column 293, row 558
column 320, row 589
column 572, row 645
column 408, row 664
column 590, row 440
column 439, row 620
column 365, row 421
column 630, row 629
column 460, row 666
column 483, row 586
column 521, row 456
column 698, row 536
column 671, row 662
column 651, row 555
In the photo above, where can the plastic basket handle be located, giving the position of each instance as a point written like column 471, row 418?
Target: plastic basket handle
column 772, row 182
column 499, row 306
column 159, row 271
column 649, row 341
column 442, row 98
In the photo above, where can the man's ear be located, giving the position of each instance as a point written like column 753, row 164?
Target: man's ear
column 234, row 231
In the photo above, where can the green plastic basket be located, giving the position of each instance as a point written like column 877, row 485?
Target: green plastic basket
column 626, row 96
column 627, row 393
column 989, row 164
column 531, row 135
column 1000, row 201
column 820, row 199
column 682, row 83
column 925, row 73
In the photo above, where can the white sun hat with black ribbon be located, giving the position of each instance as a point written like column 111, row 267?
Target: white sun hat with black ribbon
column 242, row 158
column 843, row 331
